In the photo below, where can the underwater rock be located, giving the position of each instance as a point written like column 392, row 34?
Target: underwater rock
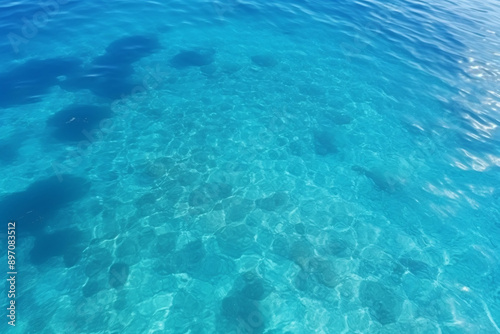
column 230, row 68
column 419, row 268
column 281, row 246
column 238, row 310
column 209, row 70
column 302, row 252
column 188, row 178
column 187, row 304
column 324, row 143
column 190, row 256
column 264, row 60
column 99, row 262
column 234, row 240
column 324, row 272
column 217, row 190
column 383, row 182
column 337, row 118
column 32, row 208
column 28, row 82
column 339, row 247
column 173, row 194
column 273, row 202
column 127, row 247
column 239, row 211
column 311, row 90
column 92, row 287
column 165, row 243
column 214, row 266
column 128, row 50
column 297, row 148
column 241, row 308
column 155, row 168
column 254, row 287
column 63, row 243
column 385, row 306
column 118, row 275
column 185, row 59
column 302, row 281
column 146, row 199
column 254, row 290
column 77, row 122
column 104, row 77
column 339, row 244
column 300, row 228
column 209, row 193
column 8, row 153
column 109, row 75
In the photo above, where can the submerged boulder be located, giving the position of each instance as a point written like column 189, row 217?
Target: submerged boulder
column 384, row 304
column 264, row 60
column 192, row 58
column 118, row 275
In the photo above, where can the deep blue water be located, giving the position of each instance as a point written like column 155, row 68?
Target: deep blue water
column 251, row 166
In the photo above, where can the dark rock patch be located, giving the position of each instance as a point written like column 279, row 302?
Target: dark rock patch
column 301, row 252
column 324, row 272
column 189, row 257
column 339, row 247
column 385, row 306
column 240, row 309
column 146, row 199
column 311, row 90
column 99, row 262
column 337, row 118
column 234, row 240
column 239, row 210
column 8, row 153
column 254, row 287
column 264, row 60
column 130, row 49
column 214, row 266
column 419, row 268
column 209, row 193
column 121, row 302
column 302, row 281
column 33, row 207
column 163, row 28
column 324, row 142
column 185, row 59
column 108, row 75
column 273, row 202
column 127, row 247
column 165, row 243
column 281, row 246
column 382, row 182
column 104, row 77
column 118, row 275
column 187, row 178
column 76, row 123
column 297, row 148
column 92, row 287
column 300, row 228
column 28, row 82
column 65, row 243
column 187, row 304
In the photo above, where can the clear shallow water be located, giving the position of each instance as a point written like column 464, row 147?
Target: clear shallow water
column 252, row 167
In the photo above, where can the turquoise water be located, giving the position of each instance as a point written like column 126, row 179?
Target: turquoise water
column 251, row 167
